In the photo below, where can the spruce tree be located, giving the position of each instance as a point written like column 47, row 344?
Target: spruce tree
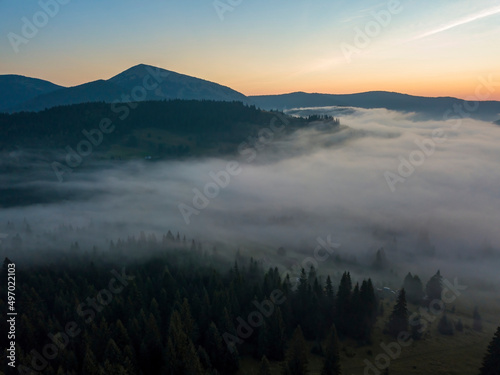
column 414, row 289
column 90, row 366
column 369, row 308
column 445, row 326
column 491, row 361
column 332, row 361
column 276, row 336
column 296, row 356
column 181, row 355
column 398, row 320
column 478, row 321
column 265, row 367
column 434, row 287
column 342, row 304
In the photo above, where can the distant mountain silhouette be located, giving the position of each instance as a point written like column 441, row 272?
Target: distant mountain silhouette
column 130, row 85
column 426, row 106
column 18, row 93
column 16, row 89
column 175, row 86
column 97, row 91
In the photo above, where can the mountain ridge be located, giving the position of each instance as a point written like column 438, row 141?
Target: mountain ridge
column 129, row 85
column 443, row 107
column 21, row 93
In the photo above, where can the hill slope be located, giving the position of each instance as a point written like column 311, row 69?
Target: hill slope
column 426, row 106
column 16, row 89
column 139, row 83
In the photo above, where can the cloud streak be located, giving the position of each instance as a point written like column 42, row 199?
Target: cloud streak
column 463, row 21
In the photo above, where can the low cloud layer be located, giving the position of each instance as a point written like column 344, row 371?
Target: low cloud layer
column 315, row 182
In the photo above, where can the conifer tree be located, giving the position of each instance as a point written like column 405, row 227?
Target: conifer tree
column 277, row 336
column 491, row 361
column 434, row 287
column 296, row 356
column 398, row 320
column 181, row 356
column 265, row 367
column 414, row 289
column 332, row 361
column 342, row 304
column 445, row 326
column 477, row 325
column 90, row 366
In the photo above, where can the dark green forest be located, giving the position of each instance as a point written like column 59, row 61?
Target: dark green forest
column 178, row 309
column 170, row 128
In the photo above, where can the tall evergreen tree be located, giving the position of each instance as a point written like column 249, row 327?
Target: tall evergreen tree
column 265, row 367
column 181, row 356
column 491, row 361
column 90, row 366
column 477, row 324
column 296, row 356
column 342, row 304
column 276, row 336
column 368, row 302
column 445, row 326
column 332, row 361
column 414, row 289
column 328, row 304
column 398, row 320
column 434, row 287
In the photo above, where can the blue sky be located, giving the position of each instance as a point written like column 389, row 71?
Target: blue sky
column 439, row 47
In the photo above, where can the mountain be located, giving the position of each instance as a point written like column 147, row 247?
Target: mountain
column 139, row 83
column 97, row 91
column 428, row 107
column 172, row 85
column 16, row 89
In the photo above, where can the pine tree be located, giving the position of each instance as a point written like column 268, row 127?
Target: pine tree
column 296, row 356
column 332, row 361
column 181, row 355
column 491, row 361
column 355, row 324
column 90, row 366
column 445, row 326
column 265, row 367
column 368, row 305
column 398, row 321
column 477, row 325
column 342, row 304
column 414, row 289
column 328, row 304
column 276, row 336
column 434, row 287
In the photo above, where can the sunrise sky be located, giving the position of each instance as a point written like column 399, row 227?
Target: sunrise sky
column 429, row 48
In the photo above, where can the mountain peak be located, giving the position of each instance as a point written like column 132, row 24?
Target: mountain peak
column 131, row 85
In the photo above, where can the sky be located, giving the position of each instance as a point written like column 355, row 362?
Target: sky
column 428, row 48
